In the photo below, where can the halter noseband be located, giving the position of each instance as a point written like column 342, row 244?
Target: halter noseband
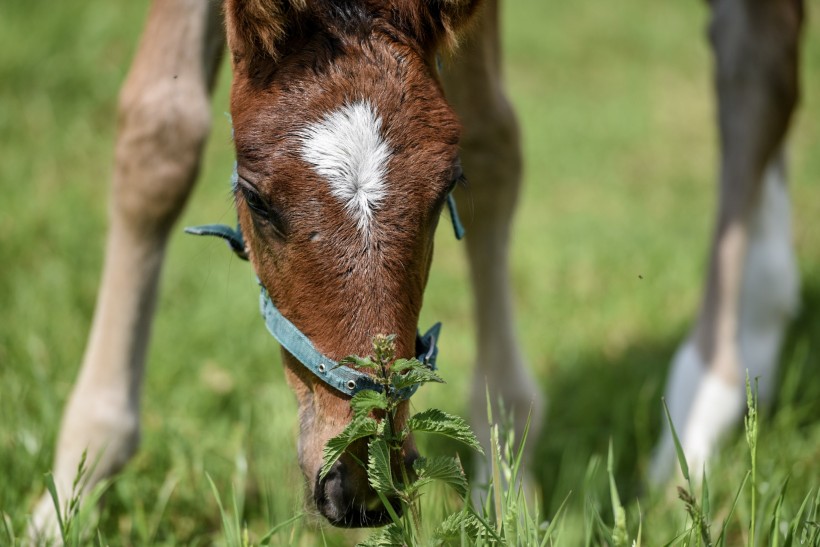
column 345, row 379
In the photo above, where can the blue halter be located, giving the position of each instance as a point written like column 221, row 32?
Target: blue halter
column 345, row 379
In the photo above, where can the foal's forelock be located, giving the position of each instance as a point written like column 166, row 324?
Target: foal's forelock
column 270, row 28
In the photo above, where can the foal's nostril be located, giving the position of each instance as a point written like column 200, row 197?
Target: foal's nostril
column 343, row 504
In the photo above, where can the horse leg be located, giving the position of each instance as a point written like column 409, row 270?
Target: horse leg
column 164, row 118
column 491, row 157
column 752, row 281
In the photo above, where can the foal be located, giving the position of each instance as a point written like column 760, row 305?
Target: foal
column 346, row 151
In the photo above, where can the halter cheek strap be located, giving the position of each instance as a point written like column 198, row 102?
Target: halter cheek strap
column 233, row 237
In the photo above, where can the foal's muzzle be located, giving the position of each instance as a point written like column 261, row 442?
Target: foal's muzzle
column 346, row 500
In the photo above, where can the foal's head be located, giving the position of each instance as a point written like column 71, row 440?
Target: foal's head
column 346, row 151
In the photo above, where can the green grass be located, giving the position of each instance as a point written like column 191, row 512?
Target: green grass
column 608, row 259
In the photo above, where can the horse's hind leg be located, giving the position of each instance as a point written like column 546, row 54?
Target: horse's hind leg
column 752, row 280
column 490, row 155
column 164, row 118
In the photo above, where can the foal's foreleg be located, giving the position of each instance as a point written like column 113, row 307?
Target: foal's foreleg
column 164, row 121
column 752, row 280
column 491, row 158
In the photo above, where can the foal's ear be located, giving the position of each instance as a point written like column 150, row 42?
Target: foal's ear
column 455, row 15
column 434, row 22
column 259, row 27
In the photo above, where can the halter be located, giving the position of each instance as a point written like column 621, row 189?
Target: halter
column 344, row 379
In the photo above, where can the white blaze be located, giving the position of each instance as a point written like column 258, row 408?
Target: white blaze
column 346, row 147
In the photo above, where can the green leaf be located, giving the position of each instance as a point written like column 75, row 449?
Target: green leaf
column 389, row 536
column 434, row 420
column 400, row 365
column 366, row 401
column 378, row 466
column 442, row 468
column 414, row 375
column 359, row 362
column 458, row 526
column 360, row 427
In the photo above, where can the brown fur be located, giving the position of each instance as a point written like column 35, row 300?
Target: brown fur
column 336, row 286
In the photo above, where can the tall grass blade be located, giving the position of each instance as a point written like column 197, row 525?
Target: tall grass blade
column 8, row 527
column 230, row 535
column 599, row 525
column 686, row 533
column 52, row 491
column 705, row 511
column 794, row 526
column 640, row 528
column 721, row 541
column 619, row 533
column 519, row 456
column 684, row 467
column 556, row 519
column 751, row 426
column 774, row 532
column 495, row 461
column 266, row 539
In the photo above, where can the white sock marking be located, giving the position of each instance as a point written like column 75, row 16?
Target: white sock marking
column 770, row 293
column 702, row 405
column 347, row 148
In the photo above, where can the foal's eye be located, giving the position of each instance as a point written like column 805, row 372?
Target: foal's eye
column 262, row 210
column 255, row 202
column 457, row 178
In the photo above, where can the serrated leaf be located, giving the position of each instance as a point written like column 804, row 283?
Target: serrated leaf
column 437, row 421
column 400, row 365
column 414, row 375
column 456, row 526
column 358, row 428
column 366, row 401
column 359, row 362
column 442, row 468
column 379, row 474
column 389, row 536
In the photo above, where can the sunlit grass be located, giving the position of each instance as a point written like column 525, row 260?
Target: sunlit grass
column 608, row 258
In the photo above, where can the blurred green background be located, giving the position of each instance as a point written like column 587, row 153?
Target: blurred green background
column 608, row 259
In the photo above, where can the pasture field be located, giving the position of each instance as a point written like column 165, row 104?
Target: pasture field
column 608, row 259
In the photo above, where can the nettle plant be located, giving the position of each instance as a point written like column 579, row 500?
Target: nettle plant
column 384, row 441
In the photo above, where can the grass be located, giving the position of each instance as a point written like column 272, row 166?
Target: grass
column 608, row 259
